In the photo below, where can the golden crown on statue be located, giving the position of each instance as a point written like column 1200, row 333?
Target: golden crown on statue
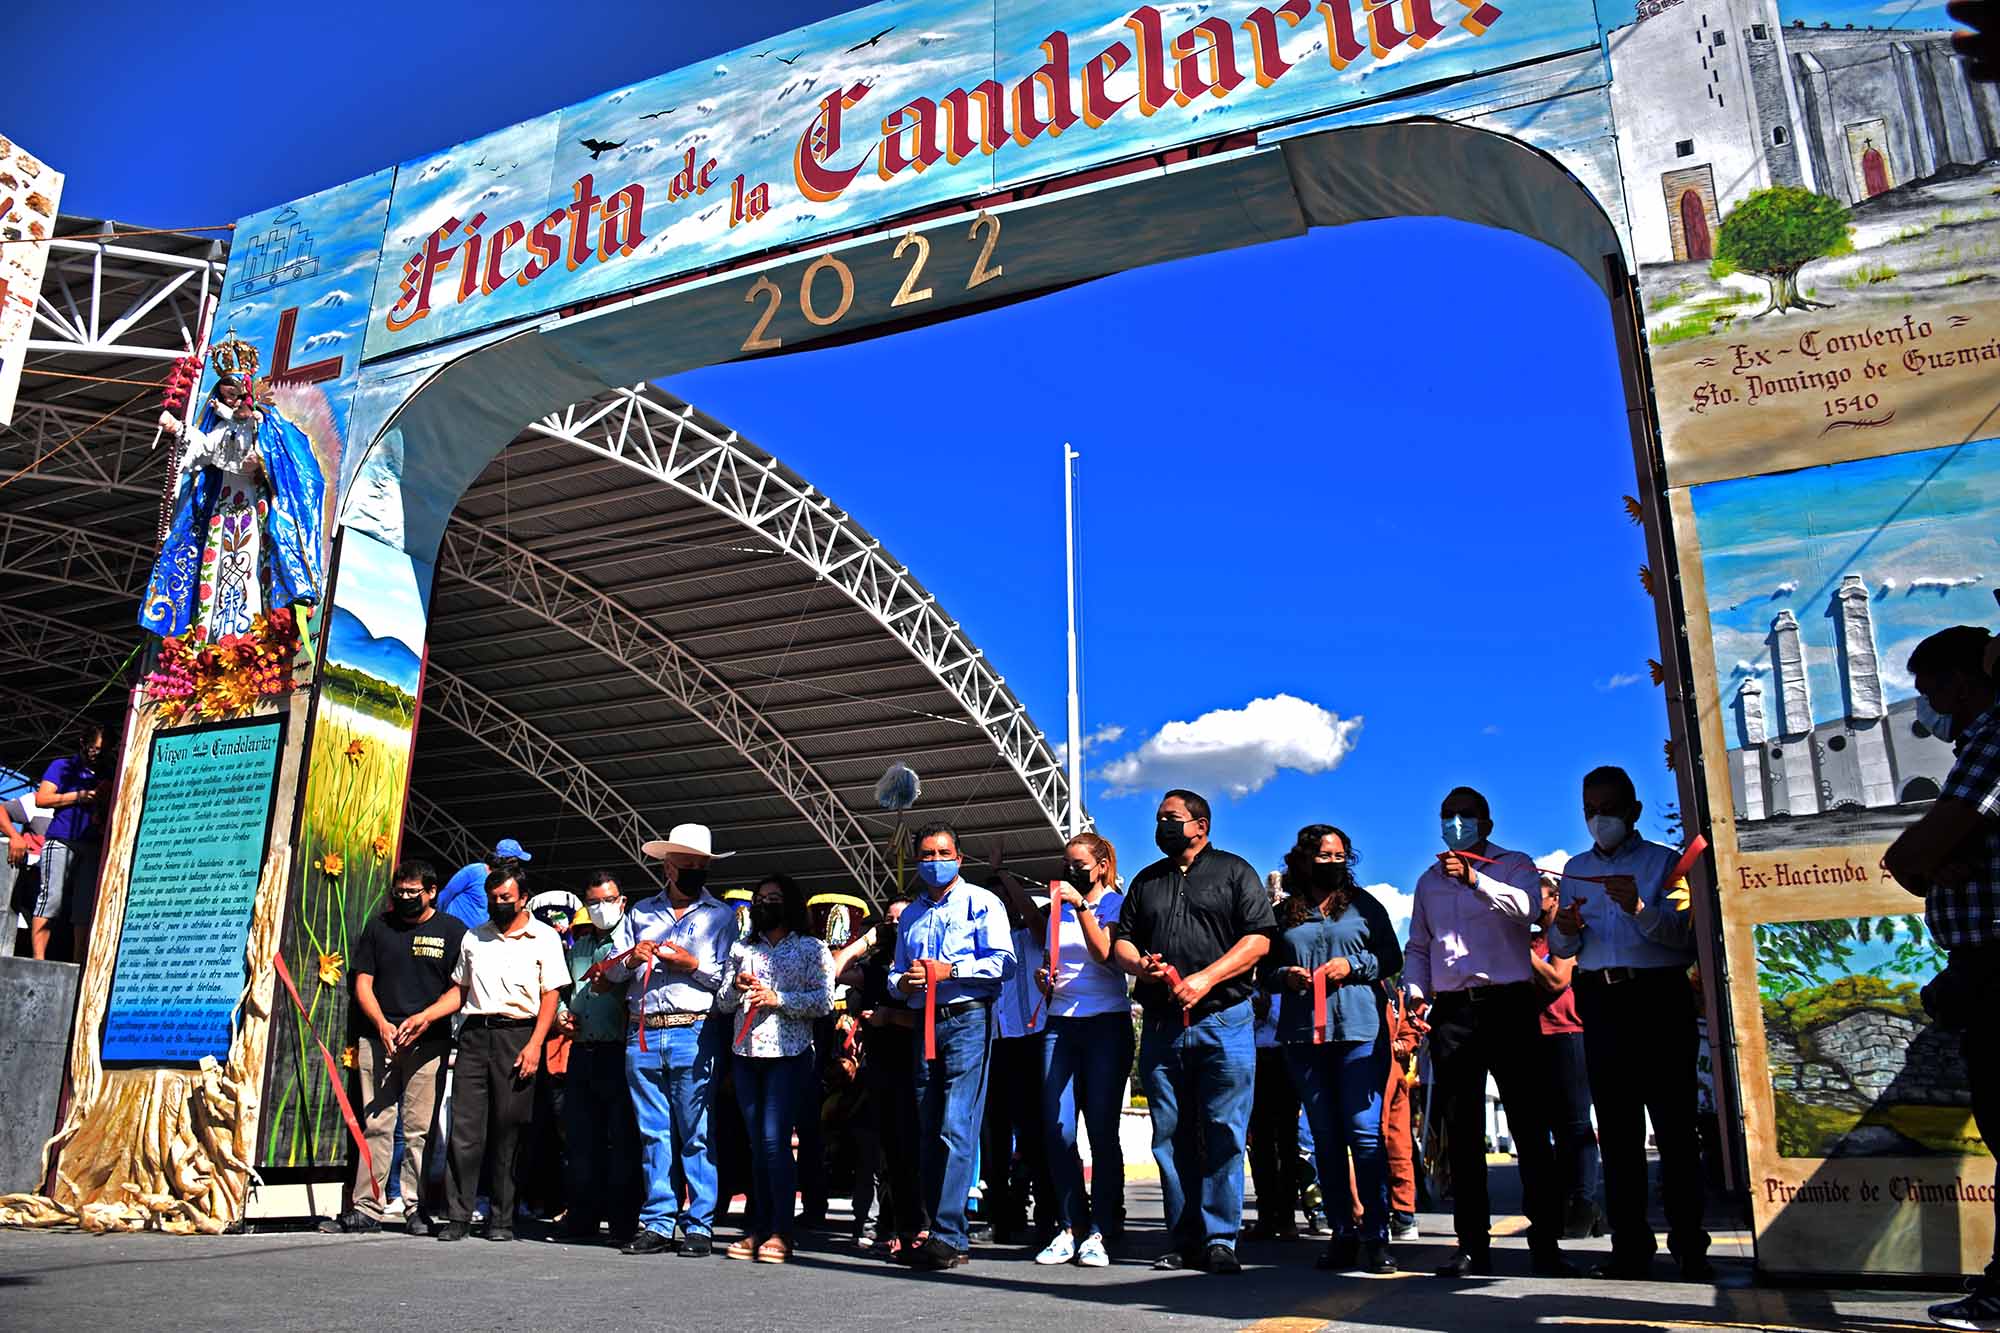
column 233, row 356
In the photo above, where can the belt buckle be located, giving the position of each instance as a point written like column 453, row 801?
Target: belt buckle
column 1616, row 975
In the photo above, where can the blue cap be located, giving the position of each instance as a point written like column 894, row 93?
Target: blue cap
column 507, row 848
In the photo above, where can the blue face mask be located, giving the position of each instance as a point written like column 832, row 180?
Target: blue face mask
column 1940, row 725
column 937, row 874
column 1460, row 832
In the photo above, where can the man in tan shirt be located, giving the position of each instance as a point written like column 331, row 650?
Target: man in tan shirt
column 510, row 972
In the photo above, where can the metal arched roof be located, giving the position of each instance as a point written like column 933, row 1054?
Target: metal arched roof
column 639, row 618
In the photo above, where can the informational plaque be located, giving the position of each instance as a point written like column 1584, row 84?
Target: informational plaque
column 195, row 867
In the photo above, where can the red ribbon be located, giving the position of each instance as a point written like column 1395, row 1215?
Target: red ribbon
column 1319, row 999
column 1054, row 950
column 749, row 1017
column 934, row 971
column 333, row 1076
column 624, row 960
column 1173, row 976
column 1681, row 867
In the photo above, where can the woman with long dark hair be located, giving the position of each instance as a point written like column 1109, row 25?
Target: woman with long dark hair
column 1339, row 1054
column 781, row 980
column 1087, row 1055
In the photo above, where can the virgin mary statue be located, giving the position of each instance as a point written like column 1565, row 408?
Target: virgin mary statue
column 245, row 532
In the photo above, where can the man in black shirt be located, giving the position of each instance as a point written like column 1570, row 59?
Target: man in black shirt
column 1192, row 928
column 402, row 966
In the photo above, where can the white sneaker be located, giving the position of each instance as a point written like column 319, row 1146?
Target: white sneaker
column 1058, row 1251
column 1091, row 1253
column 1401, row 1231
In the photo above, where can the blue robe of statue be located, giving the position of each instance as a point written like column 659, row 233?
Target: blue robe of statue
column 293, row 491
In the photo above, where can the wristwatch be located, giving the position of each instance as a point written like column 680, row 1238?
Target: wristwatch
column 954, row 970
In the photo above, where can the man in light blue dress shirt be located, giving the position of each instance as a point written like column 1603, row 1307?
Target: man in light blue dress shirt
column 965, row 928
column 685, row 933
column 1631, row 936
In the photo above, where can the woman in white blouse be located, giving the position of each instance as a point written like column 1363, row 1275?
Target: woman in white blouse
column 783, row 980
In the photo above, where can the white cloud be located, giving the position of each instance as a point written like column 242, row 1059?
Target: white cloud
column 1236, row 750
column 721, row 71
column 1885, row 587
column 1490, row 729
column 1785, row 589
column 1745, row 667
column 1942, row 583
column 1552, row 861
column 334, row 298
column 319, row 340
column 1621, row 680
column 1398, row 903
column 1109, row 734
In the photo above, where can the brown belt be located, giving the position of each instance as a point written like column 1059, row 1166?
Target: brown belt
column 672, row 1019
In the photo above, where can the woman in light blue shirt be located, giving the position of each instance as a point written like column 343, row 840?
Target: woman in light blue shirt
column 1337, row 925
column 1087, row 1056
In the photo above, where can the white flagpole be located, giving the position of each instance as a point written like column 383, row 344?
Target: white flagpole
column 1075, row 685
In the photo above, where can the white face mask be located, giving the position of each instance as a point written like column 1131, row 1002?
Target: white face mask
column 605, row 915
column 1608, row 831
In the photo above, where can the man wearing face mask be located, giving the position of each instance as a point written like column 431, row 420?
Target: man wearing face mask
column 602, row 1135
column 674, row 948
column 1193, row 927
column 1468, row 954
column 1631, row 938
column 963, row 930
column 1951, row 859
column 402, row 966
column 509, row 973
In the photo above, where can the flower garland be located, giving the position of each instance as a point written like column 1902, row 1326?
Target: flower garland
column 199, row 681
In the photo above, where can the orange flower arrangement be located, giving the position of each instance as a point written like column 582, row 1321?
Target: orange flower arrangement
column 195, row 680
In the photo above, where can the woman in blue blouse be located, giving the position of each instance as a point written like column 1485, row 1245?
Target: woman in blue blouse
column 1330, row 921
column 781, row 979
column 1087, row 1056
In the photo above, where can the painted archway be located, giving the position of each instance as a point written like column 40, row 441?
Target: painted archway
column 568, row 258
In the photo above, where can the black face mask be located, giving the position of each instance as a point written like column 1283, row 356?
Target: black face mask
column 691, row 882
column 1328, row 876
column 1171, row 837
column 1077, row 878
column 766, row 916
column 503, row 914
column 408, row 909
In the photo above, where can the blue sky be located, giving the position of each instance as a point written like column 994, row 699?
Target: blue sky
column 1394, row 500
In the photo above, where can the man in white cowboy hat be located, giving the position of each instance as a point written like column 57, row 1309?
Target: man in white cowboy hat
column 674, row 946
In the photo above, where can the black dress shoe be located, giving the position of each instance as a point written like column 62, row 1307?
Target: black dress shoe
column 697, row 1245
column 1375, row 1258
column 1339, row 1254
column 1468, row 1263
column 499, row 1233
column 1222, row 1261
column 1550, row 1263
column 1628, row 1268
column 351, row 1222
column 1170, row 1262
column 417, row 1224
column 453, row 1231
column 937, row 1255
column 646, row 1242
column 1697, row 1268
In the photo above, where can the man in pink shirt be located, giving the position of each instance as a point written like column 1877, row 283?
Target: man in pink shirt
column 1468, row 954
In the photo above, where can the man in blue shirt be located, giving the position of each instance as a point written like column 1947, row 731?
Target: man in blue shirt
column 69, row 858
column 963, row 929
column 464, row 894
column 1631, row 937
column 674, row 949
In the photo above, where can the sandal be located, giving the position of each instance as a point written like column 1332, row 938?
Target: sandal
column 776, row 1250
column 742, row 1249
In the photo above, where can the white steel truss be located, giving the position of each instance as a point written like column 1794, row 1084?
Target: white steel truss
column 115, row 455
column 488, row 561
column 40, row 548
column 118, row 566
column 636, row 428
column 49, row 641
column 431, row 824
column 96, row 292
column 529, row 749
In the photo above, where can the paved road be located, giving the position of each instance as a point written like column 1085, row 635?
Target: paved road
column 271, row 1283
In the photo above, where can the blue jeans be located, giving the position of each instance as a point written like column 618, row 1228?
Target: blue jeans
column 951, row 1101
column 1340, row 1084
column 601, row 1136
column 1086, row 1061
column 670, row 1083
column 1199, row 1082
column 769, row 1092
